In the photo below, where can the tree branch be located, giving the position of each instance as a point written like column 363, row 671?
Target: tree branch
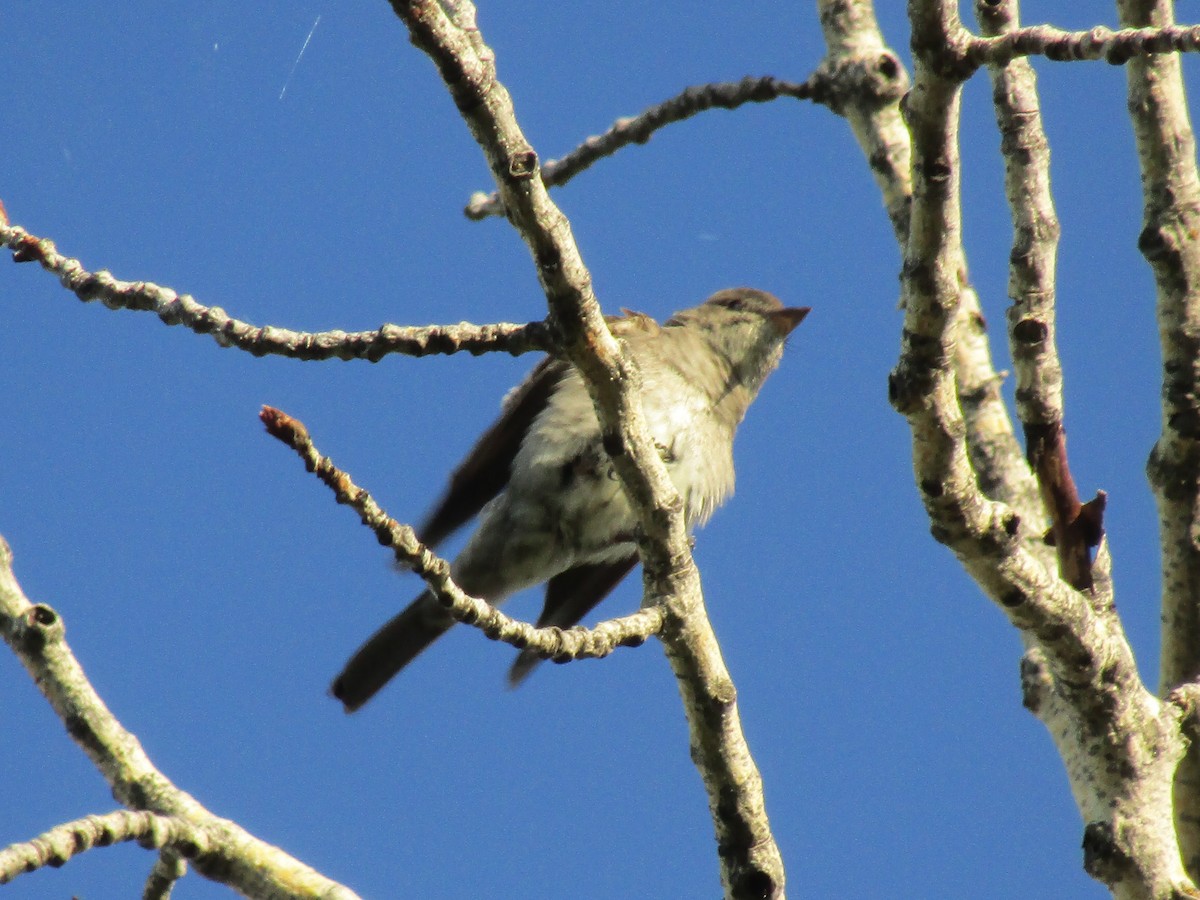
column 963, row 53
column 223, row 851
column 183, row 309
column 1079, row 675
column 870, row 104
column 640, row 128
column 1000, row 467
column 61, row 843
column 1031, row 318
column 1119, row 744
column 168, row 868
column 1171, row 221
column 1115, row 47
column 561, row 645
column 853, row 41
column 751, row 865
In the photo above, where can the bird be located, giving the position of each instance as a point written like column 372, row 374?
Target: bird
column 551, row 507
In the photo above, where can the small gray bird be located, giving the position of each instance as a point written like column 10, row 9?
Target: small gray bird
column 551, row 506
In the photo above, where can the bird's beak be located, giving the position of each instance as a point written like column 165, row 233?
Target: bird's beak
column 788, row 318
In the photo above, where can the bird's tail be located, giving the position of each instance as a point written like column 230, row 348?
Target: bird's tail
column 389, row 650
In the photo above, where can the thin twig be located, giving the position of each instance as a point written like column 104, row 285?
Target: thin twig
column 1115, row 47
column 61, row 843
column 183, row 309
column 554, row 643
column 640, row 128
column 167, row 870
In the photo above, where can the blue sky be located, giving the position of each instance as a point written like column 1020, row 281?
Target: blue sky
column 211, row 588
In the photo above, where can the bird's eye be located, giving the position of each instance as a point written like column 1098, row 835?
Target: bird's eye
column 736, row 303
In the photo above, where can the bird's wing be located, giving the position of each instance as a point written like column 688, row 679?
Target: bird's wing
column 570, row 596
column 485, row 471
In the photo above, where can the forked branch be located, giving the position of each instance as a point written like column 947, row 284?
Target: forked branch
column 217, row 848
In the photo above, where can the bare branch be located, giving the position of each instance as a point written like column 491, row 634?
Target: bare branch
column 1001, row 470
column 61, row 843
column 230, row 854
column 167, row 870
column 183, row 309
column 853, row 43
column 751, row 865
column 1031, row 318
column 1166, row 149
column 1115, row 47
column 561, row 645
column 1171, row 187
column 963, row 53
column 640, row 128
column 1119, row 744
